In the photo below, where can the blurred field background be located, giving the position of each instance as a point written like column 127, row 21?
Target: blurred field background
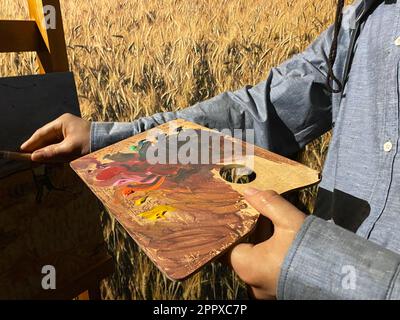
column 133, row 58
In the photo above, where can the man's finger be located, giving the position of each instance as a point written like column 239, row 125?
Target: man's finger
column 271, row 205
column 50, row 133
column 60, row 152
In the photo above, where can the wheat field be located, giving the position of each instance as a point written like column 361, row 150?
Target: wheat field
column 133, row 58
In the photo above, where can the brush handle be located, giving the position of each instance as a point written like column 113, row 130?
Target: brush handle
column 8, row 155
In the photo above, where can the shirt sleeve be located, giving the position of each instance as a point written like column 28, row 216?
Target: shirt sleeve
column 329, row 262
column 287, row 110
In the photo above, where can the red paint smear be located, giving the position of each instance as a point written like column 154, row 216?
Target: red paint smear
column 109, row 173
column 139, row 175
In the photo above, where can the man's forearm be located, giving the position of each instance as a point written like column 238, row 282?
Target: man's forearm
column 286, row 111
column 243, row 109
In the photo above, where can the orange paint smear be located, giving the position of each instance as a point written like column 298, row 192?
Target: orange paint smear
column 131, row 189
column 143, row 187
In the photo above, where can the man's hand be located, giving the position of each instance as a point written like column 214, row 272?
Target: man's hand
column 61, row 140
column 260, row 265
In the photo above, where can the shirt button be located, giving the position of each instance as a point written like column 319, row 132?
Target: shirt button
column 397, row 41
column 388, row 146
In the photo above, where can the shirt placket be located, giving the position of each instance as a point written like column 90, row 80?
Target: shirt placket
column 390, row 138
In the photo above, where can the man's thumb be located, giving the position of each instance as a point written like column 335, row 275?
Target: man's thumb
column 271, row 205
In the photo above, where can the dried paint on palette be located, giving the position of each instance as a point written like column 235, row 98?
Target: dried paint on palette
column 180, row 215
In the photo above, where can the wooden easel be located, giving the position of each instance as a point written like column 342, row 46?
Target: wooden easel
column 49, row 44
column 33, row 35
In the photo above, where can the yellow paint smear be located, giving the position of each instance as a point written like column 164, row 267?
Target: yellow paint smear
column 140, row 201
column 156, row 213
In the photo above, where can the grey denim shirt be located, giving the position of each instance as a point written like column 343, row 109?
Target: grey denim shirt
column 350, row 247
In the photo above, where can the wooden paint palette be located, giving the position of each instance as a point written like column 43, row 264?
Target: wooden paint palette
column 184, row 215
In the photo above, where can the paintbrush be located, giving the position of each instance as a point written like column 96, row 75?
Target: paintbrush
column 17, row 156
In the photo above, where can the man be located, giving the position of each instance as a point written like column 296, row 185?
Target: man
column 350, row 248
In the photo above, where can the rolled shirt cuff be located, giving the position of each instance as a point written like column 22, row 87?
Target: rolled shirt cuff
column 103, row 134
column 329, row 262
